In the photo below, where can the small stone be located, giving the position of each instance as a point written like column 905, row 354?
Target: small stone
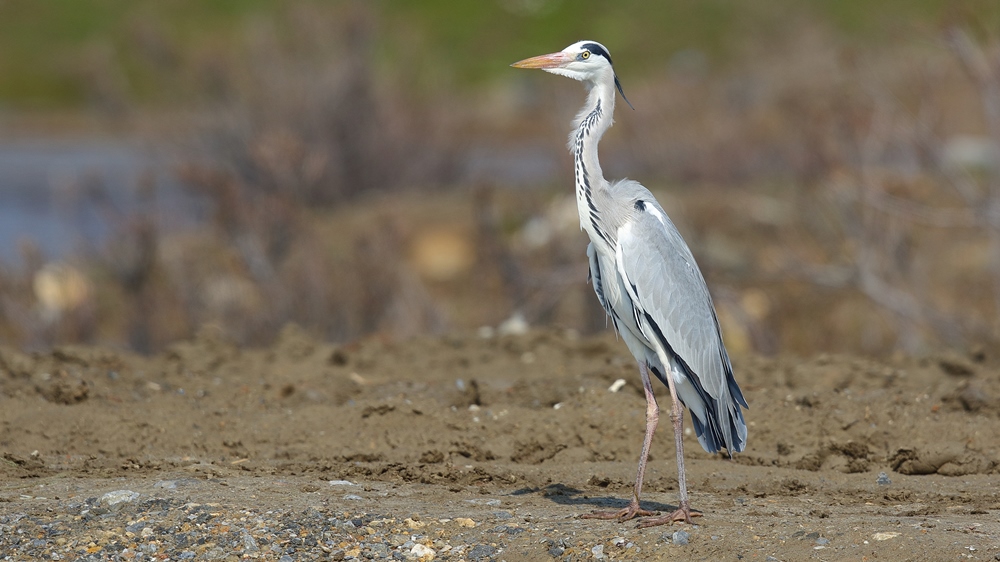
column 249, row 544
column 341, row 483
column 481, row 551
column 465, row 522
column 618, row 541
column 822, row 540
column 885, row 536
column 680, row 538
column 410, row 523
column 112, row 499
column 353, row 497
column 883, row 479
column 503, row 515
column 422, row 551
column 186, row 555
column 556, row 551
column 598, row 551
column 974, row 398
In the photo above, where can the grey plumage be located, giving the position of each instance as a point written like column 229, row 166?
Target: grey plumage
column 648, row 282
column 655, row 294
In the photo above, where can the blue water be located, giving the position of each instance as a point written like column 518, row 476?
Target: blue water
column 47, row 186
column 46, row 189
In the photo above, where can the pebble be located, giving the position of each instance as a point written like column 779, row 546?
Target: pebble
column 680, row 538
column 112, row 499
column 172, row 528
column 883, row 479
column 482, row 551
column 249, row 544
column 598, row 551
column 422, row 551
column 885, row 536
column 410, row 523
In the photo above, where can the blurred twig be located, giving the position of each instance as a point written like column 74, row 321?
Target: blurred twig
column 986, row 75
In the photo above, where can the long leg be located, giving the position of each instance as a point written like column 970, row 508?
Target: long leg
column 683, row 512
column 652, row 419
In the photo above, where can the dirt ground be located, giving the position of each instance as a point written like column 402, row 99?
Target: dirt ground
column 488, row 447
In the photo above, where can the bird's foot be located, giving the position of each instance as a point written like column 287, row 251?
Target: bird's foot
column 682, row 515
column 632, row 511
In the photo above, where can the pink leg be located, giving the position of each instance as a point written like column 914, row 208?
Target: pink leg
column 683, row 512
column 652, row 418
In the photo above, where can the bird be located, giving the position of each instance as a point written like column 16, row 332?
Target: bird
column 649, row 284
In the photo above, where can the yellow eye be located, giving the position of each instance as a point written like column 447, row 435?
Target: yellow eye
column 585, row 55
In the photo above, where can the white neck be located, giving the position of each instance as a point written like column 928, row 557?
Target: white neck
column 589, row 126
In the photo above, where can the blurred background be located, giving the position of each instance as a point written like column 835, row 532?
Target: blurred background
column 371, row 167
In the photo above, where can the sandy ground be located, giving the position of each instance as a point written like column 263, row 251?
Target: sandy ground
column 483, row 448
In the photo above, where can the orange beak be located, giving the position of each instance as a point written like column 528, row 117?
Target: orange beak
column 554, row 60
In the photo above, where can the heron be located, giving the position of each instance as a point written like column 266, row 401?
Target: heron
column 649, row 284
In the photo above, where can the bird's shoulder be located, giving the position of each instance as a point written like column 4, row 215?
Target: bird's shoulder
column 652, row 253
column 629, row 189
column 637, row 199
column 645, row 217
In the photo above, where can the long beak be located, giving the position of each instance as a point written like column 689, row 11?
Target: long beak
column 554, row 60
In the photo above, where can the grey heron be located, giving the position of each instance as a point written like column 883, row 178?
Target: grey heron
column 646, row 278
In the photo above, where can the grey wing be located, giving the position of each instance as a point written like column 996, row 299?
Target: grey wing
column 614, row 299
column 672, row 306
column 597, row 279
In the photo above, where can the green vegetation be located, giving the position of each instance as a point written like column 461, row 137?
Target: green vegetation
column 61, row 53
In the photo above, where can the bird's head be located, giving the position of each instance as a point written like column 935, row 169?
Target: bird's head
column 587, row 61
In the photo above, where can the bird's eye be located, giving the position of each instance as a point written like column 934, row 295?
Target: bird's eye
column 585, row 55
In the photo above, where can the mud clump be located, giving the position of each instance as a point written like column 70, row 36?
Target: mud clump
column 64, row 389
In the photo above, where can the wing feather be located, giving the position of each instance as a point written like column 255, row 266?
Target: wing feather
column 673, row 306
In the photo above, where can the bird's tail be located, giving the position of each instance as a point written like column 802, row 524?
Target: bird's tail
column 718, row 423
